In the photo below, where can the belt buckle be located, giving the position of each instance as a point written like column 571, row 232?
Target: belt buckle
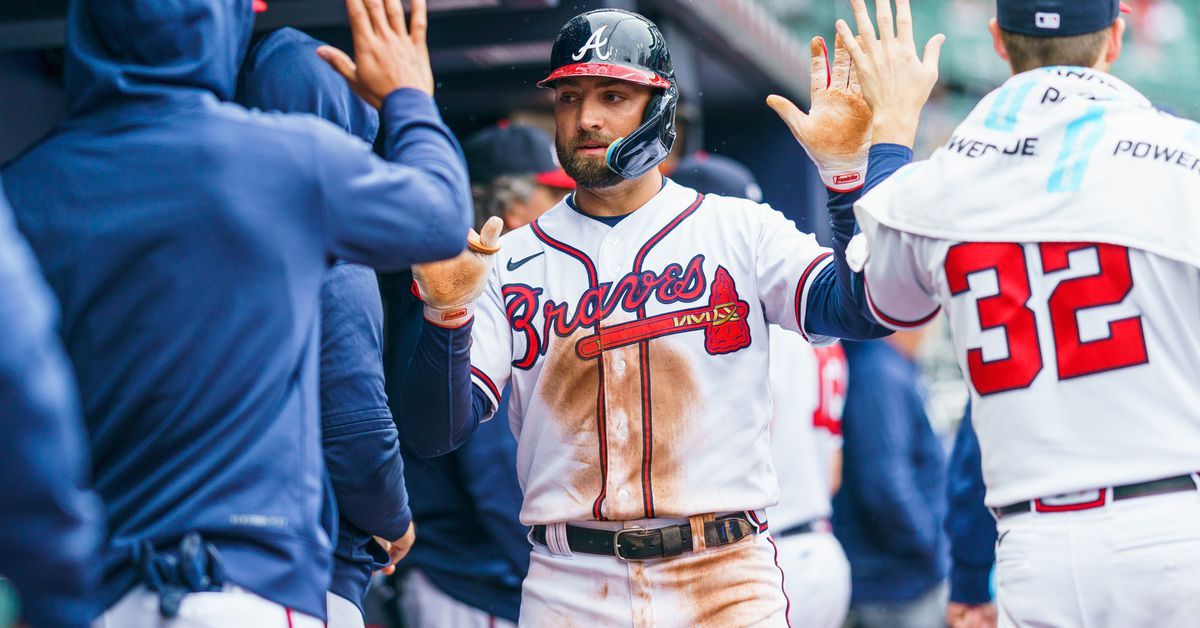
column 617, row 541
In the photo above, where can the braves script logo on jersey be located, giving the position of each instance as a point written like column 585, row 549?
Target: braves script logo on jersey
column 595, row 42
column 722, row 319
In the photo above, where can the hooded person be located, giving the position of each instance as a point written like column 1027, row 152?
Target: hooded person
column 51, row 530
column 187, row 240
column 362, row 449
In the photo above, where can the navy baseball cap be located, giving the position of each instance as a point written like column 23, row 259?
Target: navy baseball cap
column 506, row 149
column 714, row 174
column 1057, row 18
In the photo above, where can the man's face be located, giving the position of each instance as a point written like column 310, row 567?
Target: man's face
column 589, row 114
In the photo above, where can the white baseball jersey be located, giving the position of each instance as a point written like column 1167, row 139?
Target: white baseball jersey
column 1069, row 277
column 808, row 390
column 637, row 354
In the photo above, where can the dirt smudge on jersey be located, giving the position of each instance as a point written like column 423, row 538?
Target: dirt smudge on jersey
column 723, row 587
column 569, row 386
column 674, row 397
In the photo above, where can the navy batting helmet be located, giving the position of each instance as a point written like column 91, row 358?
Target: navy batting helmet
column 618, row 44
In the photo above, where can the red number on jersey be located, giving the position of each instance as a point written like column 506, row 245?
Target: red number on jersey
column 831, row 388
column 1125, row 344
column 1006, row 309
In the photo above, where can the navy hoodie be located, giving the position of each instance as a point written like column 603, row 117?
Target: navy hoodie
column 187, row 240
column 888, row 513
column 50, row 529
column 362, row 448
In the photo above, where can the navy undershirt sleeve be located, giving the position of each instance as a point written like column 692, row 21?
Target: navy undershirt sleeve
column 837, row 301
column 439, row 406
column 969, row 526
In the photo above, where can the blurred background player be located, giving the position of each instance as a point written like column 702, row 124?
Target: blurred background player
column 808, row 388
column 359, row 439
column 468, row 563
column 889, row 511
column 187, row 240
column 515, row 174
column 52, row 526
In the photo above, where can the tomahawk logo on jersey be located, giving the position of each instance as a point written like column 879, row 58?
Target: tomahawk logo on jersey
column 652, row 335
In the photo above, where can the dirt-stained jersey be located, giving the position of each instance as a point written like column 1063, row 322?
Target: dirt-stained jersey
column 637, row 354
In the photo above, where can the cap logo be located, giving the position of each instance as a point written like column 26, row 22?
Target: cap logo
column 595, row 42
column 1049, row 21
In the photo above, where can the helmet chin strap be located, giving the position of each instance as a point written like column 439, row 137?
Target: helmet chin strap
column 608, row 154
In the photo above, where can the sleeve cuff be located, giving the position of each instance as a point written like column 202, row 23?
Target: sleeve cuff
column 970, row 584
column 397, row 529
column 892, row 150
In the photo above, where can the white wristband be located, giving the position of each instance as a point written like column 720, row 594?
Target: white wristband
column 450, row 318
column 843, row 181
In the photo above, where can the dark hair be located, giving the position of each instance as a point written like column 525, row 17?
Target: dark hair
column 1027, row 53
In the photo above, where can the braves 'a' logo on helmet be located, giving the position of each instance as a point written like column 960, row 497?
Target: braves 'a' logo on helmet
column 596, row 42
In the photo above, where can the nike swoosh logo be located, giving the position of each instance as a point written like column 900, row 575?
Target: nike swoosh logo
column 515, row 265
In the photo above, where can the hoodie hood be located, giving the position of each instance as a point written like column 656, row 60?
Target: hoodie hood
column 123, row 51
column 284, row 73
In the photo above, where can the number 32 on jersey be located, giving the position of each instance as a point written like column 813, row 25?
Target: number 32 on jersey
column 1008, row 308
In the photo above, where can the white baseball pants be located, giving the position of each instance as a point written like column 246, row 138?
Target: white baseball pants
column 817, row 579
column 425, row 606
column 233, row 607
column 342, row 612
column 1134, row 562
column 734, row 585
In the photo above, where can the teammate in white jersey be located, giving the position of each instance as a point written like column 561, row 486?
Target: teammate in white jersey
column 630, row 322
column 808, row 391
column 1059, row 230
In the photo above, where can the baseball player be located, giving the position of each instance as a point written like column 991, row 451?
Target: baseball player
column 51, row 528
column 515, row 174
column 1058, row 231
column 187, row 240
column 808, row 390
column 631, row 323
column 361, row 446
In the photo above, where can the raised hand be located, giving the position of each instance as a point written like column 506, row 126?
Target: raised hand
column 388, row 53
column 450, row 287
column 896, row 83
column 836, row 132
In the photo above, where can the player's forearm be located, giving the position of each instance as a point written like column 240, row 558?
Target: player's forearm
column 415, row 136
column 837, row 304
column 367, row 473
column 415, row 209
column 438, row 412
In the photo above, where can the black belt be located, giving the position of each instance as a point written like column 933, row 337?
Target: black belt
column 642, row 544
column 816, row 525
column 1177, row 484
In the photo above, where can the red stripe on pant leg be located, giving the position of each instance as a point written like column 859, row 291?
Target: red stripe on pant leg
column 782, row 581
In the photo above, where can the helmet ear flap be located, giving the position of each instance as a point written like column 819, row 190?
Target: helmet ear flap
column 649, row 145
